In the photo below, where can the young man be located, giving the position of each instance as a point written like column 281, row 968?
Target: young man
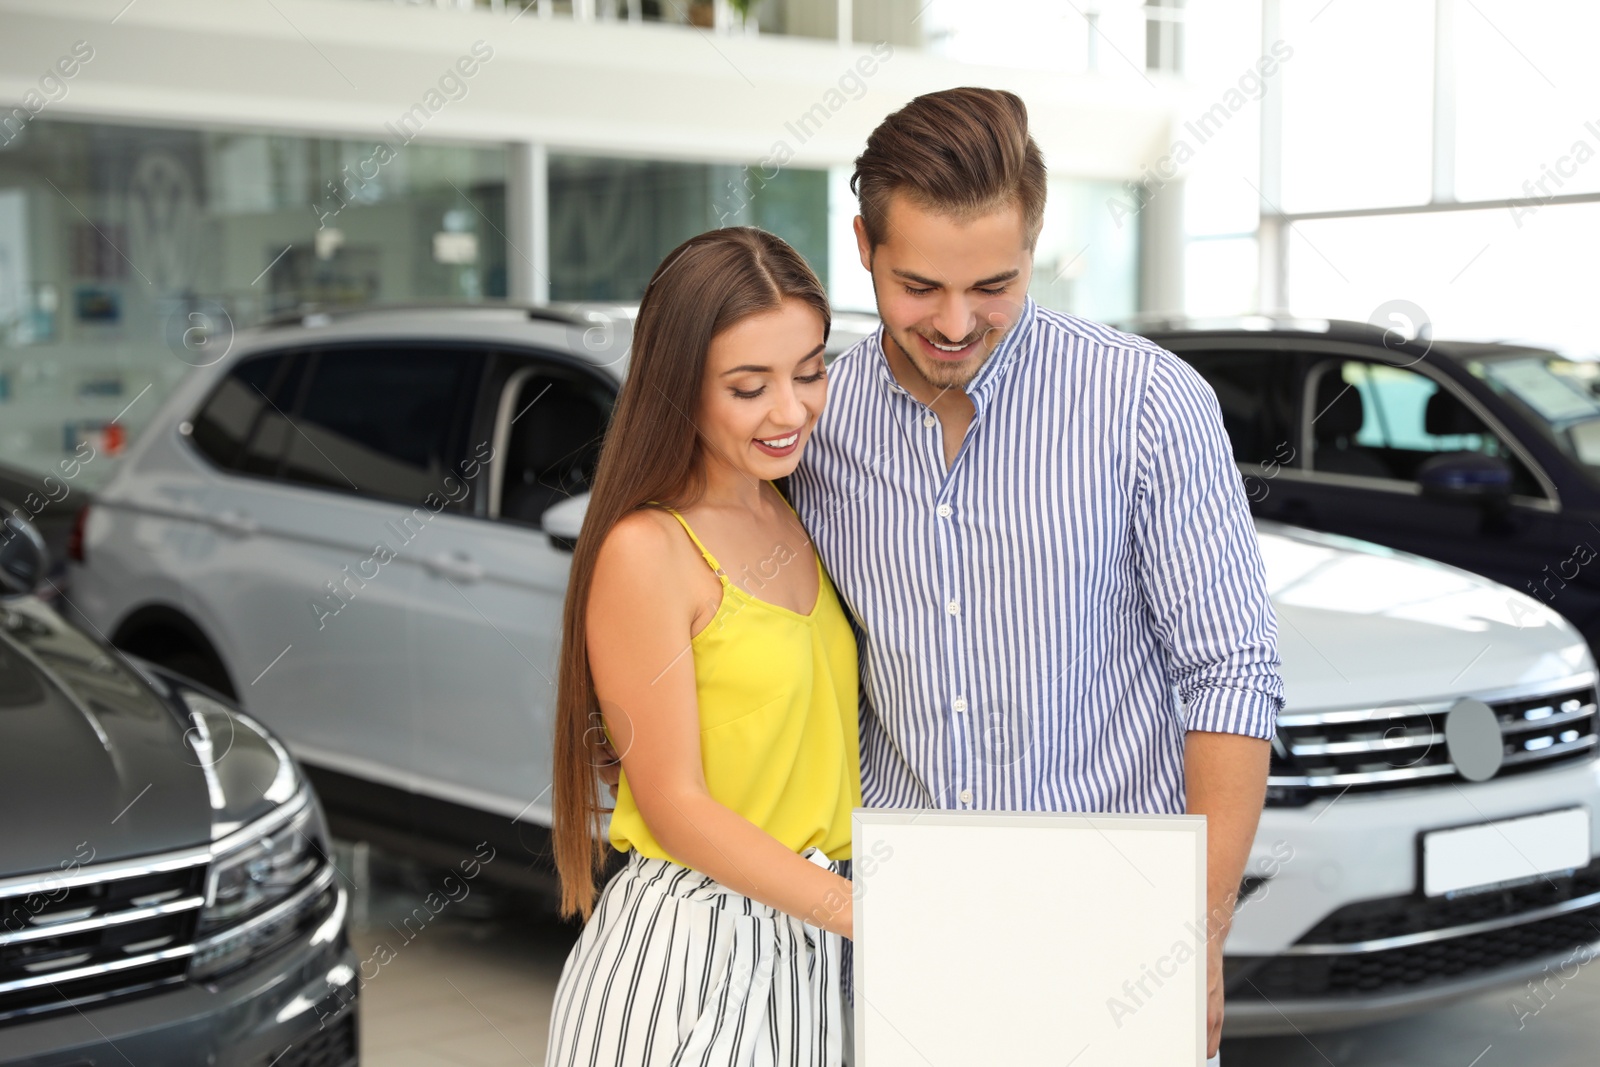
column 1035, row 521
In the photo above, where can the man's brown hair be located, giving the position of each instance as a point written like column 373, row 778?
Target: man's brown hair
column 964, row 152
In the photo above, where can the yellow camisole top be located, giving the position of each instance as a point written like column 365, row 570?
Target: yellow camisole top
column 777, row 698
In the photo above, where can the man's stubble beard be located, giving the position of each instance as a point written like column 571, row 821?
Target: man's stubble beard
column 955, row 378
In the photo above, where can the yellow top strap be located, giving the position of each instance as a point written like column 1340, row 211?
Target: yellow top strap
column 704, row 551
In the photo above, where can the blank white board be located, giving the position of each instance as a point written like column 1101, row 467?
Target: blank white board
column 1025, row 938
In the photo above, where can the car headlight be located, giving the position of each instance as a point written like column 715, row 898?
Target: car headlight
column 268, row 884
column 254, row 877
column 269, row 881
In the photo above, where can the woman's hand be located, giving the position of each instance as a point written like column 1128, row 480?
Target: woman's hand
column 844, row 922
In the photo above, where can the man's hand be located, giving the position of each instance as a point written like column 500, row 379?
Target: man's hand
column 1226, row 779
column 1213, row 996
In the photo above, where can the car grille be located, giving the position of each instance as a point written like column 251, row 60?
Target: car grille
column 1396, row 944
column 1330, row 753
column 1399, row 917
column 330, row 1046
column 82, row 936
column 86, row 935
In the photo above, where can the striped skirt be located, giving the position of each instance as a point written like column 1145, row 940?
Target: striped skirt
column 675, row 969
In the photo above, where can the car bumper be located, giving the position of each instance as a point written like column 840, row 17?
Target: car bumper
column 1261, row 1018
column 297, row 1006
column 1364, row 848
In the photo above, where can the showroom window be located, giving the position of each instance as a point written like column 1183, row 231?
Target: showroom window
column 130, row 254
column 612, row 221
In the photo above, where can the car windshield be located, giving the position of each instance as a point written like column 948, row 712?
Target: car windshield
column 1562, row 395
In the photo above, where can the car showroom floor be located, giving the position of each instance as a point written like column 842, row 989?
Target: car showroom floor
column 471, row 987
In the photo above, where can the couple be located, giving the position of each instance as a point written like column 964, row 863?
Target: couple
column 1033, row 523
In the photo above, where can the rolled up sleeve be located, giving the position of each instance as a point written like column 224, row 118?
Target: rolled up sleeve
column 1200, row 564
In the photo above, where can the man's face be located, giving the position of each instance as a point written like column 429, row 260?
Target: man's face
column 948, row 289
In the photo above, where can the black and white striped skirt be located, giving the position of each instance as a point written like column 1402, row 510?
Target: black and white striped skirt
column 675, row 969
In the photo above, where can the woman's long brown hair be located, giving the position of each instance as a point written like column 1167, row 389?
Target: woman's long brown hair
column 652, row 452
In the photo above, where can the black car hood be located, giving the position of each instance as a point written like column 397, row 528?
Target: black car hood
column 94, row 766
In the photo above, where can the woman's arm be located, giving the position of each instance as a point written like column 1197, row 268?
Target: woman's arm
column 640, row 613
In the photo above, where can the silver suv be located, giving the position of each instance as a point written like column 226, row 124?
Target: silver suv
column 360, row 525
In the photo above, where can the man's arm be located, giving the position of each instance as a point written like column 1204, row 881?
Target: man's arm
column 1226, row 780
column 1199, row 561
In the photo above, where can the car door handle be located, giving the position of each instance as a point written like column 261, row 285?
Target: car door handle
column 239, row 523
column 456, row 567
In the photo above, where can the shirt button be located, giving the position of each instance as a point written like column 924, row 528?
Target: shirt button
column 928, row 420
column 959, row 703
column 953, row 608
column 944, row 511
column 966, row 796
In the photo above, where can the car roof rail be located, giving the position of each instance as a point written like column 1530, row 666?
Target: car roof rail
column 320, row 315
column 1264, row 322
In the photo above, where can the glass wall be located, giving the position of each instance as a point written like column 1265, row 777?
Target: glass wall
column 129, row 254
column 613, row 220
column 1087, row 260
column 1513, row 137
column 1469, row 187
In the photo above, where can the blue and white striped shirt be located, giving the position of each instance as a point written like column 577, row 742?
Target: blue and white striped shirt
column 1043, row 621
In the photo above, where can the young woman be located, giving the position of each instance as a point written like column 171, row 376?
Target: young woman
column 704, row 641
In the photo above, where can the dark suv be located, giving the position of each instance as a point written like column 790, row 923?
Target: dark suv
column 166, row 895
column 1485, row 456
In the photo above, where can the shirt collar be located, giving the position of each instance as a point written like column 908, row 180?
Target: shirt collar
column 994, row 369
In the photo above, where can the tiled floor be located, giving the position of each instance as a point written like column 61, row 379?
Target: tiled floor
column 471, row 987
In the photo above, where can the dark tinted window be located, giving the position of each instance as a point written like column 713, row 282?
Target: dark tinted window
column 383, row 422
column 555, row 425
column 234, row 412
column 1256, row 394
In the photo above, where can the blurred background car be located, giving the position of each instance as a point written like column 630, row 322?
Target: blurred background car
column 169, row 896
column 1429, row 712
column 1480, row 454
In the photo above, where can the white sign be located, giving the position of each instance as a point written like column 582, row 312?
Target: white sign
column 1029, row 938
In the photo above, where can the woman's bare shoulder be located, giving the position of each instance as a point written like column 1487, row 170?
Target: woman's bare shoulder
column 646, row 545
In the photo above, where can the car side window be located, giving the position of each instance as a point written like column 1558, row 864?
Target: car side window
column 234, row 413
column 384, row 421
column 1256, row 393
column 1378, row 421
column 551, row 423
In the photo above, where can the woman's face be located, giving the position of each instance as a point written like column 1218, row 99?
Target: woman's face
column 763, row 390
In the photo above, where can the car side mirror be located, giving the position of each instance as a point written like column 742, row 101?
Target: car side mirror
column 24, row 560
column 562, row 522
column 1465, row 476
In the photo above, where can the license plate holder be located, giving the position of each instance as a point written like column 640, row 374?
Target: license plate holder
column 1487, row 854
